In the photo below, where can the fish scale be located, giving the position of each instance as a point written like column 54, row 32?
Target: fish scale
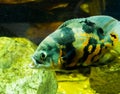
column 91, row 41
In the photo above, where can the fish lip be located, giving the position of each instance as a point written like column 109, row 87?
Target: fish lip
column 35, row 64
column 34, row 61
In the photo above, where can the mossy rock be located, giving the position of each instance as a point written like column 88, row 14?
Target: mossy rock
column 106, row 79
column 74, row 83
column 16, row 77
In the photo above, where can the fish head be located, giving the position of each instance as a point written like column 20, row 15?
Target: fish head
column 46, row 55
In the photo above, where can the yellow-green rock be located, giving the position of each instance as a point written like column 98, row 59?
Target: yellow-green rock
column 74, row 83
column 15, row 51
column 106, row 79
column 15, row 75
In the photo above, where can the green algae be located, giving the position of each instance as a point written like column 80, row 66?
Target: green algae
column 106, row 79
column 16, row 77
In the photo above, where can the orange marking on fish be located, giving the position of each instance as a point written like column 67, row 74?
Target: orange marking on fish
column 60, row 60
column 86, row 42
column 79, row 53
column 90, row 48
column 96, row 58
column 97, row 50
column 114, row 38
column 107, row 44
column 74, row 62
column 91, row 35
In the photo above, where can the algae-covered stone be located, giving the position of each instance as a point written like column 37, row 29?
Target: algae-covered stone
column 74, row 83
column 40, row 82
column 48, row 85
column 14, row 51
column 15, row 75
column 106, row 79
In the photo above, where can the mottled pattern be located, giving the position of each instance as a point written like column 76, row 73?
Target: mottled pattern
column 80, row 42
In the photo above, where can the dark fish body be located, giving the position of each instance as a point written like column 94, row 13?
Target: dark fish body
column 91, row 41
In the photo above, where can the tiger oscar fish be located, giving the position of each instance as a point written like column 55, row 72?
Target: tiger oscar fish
column 81, row 42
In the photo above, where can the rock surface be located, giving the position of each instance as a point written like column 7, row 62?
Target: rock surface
column 106, row 79
column 15, row 75
column 74, row 84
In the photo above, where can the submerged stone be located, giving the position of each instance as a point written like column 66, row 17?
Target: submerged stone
column 106, row 79
column 15, row 75
column 74, row 83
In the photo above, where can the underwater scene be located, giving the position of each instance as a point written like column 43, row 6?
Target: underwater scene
column 59, row 47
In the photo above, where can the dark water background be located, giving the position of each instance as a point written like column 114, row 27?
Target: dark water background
column 16, row 20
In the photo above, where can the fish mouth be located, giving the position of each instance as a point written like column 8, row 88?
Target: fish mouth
column 34, row 61
column 35, row 64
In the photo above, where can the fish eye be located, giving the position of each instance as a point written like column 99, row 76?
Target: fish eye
column 43, row 55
